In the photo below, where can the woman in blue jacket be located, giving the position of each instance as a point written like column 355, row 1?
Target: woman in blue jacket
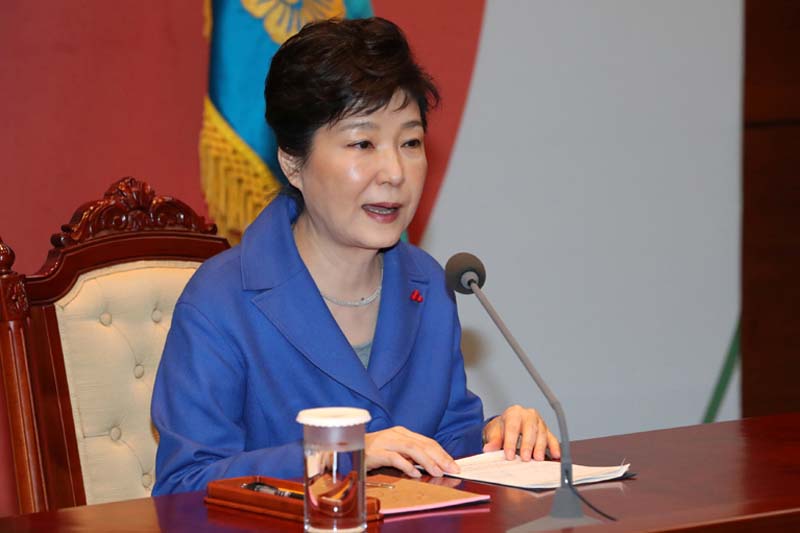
column 321, row 304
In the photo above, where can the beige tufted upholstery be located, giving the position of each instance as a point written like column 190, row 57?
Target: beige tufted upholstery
column 113, row 325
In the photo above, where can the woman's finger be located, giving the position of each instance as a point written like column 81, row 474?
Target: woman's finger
column 428, row 454
column 493, row 435
column 418, row 448
column 443, row 459
column 511, row 434
column 529, row 435
column 422, row 457
column 541, row 441
column 401, row 463
column 554, row 445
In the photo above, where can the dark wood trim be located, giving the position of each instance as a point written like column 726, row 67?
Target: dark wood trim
column 129, row 205
column 772, row 60
column 61, row 466
column 21, row 417
column 770, row 347
column 65, row 266
column 785, row 123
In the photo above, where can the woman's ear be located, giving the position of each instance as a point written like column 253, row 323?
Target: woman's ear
column 290, row 165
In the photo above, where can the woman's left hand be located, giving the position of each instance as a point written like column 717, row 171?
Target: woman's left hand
column 518, row 424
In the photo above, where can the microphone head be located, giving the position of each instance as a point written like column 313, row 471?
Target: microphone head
column 460, row 264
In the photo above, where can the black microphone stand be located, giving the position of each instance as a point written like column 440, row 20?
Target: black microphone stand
column 566, row 510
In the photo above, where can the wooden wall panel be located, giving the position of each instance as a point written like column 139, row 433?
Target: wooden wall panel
column 772, row 60
column 771, row 271
column 771, row 220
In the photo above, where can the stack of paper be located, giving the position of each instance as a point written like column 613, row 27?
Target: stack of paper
column 492, row 467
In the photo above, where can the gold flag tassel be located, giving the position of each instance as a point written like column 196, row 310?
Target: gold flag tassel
column 236, row 182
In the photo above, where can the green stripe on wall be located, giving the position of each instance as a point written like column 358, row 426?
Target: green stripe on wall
column 724, row 379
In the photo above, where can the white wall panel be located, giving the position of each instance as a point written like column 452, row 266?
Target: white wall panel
column 597, row 173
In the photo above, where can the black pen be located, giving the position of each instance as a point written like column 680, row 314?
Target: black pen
column 271, row 489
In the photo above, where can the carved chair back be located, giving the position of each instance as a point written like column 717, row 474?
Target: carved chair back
column 80, row 343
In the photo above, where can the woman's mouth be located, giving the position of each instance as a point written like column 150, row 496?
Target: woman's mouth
column 382, row 212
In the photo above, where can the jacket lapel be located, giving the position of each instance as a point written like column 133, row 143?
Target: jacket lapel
column 399, row 315
column 289, row 299
column 296, row 309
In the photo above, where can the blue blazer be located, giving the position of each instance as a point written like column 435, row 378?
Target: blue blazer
column 252, row 343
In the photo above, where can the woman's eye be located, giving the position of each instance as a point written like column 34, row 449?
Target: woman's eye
column 413, row 143
column 361, row 145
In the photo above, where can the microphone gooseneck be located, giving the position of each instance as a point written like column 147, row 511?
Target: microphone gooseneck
column 465, row 273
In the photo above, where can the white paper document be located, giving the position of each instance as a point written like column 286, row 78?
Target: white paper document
column 492, row 467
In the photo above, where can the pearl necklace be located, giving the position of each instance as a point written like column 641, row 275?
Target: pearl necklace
column 361, row 302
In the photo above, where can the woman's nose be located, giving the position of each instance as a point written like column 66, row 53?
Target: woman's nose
column 392, row 168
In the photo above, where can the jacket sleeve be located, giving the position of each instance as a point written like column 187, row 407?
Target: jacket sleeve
column 197, row 408
column 461, row 428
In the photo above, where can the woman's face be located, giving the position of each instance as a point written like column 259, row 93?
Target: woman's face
column 364, row 176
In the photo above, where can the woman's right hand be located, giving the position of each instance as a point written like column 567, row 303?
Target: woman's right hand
column 402, row 449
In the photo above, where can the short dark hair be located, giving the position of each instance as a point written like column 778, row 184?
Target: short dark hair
column 334, row 69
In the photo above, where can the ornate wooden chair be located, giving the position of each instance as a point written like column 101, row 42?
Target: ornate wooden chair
column 80, row 343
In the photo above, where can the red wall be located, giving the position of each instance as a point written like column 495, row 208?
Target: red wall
column 92, row 92
column 444, row 36
column 110, row 89
column 89, row 93
column 97, row 90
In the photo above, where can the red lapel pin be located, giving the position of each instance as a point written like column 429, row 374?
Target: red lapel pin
column 416, row 296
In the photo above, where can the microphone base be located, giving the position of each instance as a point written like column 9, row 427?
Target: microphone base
column 565, row 513
column 550, row 523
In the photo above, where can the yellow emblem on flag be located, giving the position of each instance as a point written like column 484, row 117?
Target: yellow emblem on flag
column 284, row 18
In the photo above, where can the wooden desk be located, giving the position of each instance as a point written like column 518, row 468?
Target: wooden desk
column 730, row 476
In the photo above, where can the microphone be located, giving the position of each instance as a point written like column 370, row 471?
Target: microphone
column 465, row 273
column 461, row 270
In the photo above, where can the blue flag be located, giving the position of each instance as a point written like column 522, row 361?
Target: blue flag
column 238, row 152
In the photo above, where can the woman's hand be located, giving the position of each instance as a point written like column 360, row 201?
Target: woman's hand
column 504, row 431
column 402, row 449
